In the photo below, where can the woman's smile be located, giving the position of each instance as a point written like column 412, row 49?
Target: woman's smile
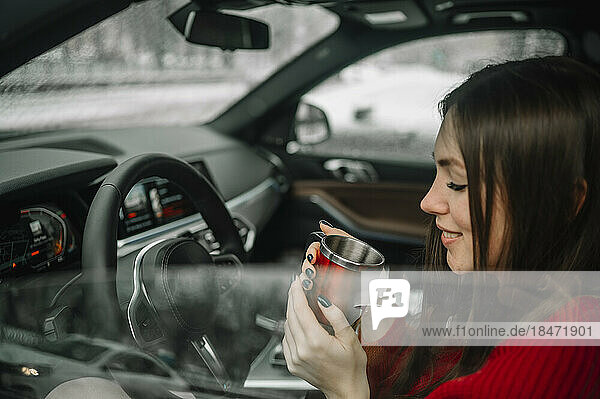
column 448, row 238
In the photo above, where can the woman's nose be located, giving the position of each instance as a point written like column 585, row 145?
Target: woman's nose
column 434, row 202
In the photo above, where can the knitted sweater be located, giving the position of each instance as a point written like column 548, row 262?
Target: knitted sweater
column 508, row 372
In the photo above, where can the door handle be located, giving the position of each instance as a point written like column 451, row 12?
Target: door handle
column 351, row 171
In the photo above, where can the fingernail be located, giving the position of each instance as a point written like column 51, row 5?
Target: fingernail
column 309, row 273
column 309, row 257
column 306, row 283
column 323, row 301
column 325, row 222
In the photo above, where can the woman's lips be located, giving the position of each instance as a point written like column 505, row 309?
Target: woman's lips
column 449, row 237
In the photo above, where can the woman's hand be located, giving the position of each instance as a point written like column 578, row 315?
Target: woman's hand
column 334, row 364
column 310, row 256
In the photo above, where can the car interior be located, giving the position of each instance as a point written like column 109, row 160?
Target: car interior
column 179, row 240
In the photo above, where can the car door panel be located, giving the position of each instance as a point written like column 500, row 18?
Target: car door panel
column 384, row 213
column 388, row 208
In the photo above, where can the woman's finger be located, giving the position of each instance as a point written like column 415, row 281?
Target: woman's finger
column 302, row 314
column 311, row 252
column 337, row 319
column 309, row 260
column 307, row 283
column 289, row 337
column 295, row 326
column 288, row 306
column 308, row 270
column 288, row 332
column 328, row 230
column 289, row 360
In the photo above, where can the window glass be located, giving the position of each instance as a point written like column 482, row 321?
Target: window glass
column 135, row 69
column 385, row 107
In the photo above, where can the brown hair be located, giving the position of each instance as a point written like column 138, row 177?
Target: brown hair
column 528, row 130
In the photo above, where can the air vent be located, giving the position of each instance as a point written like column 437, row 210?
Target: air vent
column 85, row 145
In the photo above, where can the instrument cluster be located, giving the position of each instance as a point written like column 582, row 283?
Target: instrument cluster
column 40, row 237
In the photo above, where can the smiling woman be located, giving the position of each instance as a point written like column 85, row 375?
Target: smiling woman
column 525, row 132
column 448, row 201
column 447, row 196
column 521, row 166
column 516, row 189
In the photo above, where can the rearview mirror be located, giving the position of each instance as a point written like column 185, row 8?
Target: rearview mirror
column 310, row 124
column 213, row 28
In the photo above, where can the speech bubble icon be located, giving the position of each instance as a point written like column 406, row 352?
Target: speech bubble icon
column 389, row 299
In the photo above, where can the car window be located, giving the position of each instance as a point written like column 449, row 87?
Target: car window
column 384, row 107
column 135, row 69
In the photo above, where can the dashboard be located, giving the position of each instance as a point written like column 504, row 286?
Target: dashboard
column 42, row 237
column 47, row 183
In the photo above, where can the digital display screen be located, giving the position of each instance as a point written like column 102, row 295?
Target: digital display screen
column 154, row 202
column 151, row 203
column 167, row 202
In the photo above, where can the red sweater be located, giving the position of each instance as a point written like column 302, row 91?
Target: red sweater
column 509, row 371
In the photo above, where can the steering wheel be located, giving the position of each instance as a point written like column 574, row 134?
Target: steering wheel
column 175, row 281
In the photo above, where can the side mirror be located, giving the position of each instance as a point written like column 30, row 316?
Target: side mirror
column 311, row 125
column 213, row 28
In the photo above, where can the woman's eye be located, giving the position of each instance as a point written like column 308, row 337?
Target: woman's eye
column 456, row 187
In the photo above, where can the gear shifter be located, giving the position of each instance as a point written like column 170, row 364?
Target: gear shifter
column 274, row 326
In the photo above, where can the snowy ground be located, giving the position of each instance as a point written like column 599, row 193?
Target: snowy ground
column 116, row 106
column 399, row 106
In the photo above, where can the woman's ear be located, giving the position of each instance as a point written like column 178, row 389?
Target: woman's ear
column 580, row 194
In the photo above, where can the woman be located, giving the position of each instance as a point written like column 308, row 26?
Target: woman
column 517, row 143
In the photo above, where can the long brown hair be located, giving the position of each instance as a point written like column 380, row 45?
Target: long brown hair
column 528, row 131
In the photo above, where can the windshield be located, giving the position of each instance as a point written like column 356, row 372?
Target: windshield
column 135, row 69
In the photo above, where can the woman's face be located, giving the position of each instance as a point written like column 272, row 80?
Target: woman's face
column 448, row 201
